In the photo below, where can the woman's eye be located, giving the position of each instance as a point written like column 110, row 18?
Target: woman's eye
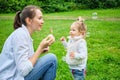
column 40, row 17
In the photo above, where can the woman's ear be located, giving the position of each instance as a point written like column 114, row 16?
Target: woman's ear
column 28, row 21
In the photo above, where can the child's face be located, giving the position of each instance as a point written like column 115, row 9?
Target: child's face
column 74, row 31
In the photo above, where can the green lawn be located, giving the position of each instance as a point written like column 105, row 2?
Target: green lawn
column 103, row 41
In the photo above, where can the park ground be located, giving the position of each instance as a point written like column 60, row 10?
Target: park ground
column 103, row 40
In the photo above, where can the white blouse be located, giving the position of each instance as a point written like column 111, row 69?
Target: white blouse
column 14, row 58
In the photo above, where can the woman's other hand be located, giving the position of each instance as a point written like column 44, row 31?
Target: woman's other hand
column 46, row 49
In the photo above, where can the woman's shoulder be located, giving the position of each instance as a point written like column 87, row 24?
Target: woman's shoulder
column 19, row 33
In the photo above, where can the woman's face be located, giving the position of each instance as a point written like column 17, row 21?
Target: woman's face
column 37, row 21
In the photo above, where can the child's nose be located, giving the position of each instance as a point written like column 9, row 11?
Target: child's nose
column 70, row 32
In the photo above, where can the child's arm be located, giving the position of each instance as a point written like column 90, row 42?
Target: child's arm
column 64, row 42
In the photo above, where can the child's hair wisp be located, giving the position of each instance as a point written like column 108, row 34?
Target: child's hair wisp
column 81, row 26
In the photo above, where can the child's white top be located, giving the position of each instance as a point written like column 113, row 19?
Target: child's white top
column 79, row 47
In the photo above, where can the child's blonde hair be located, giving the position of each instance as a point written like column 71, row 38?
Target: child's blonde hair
column 81, row 26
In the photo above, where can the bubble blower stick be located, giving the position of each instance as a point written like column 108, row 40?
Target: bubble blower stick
column 49, row 36
column 51, row 31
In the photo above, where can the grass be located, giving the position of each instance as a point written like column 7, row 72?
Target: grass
column 103, row 43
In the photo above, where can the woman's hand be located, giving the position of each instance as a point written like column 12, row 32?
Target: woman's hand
column 43, row 47
column 46, row 42
column 46, row 49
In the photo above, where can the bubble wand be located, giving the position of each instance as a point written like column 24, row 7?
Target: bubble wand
column 48, row 38
column 51, row 31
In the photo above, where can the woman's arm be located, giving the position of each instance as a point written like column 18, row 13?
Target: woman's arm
column 24, row 63
column 44, row 44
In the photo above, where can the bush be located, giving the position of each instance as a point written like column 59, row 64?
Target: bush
column 48, row 6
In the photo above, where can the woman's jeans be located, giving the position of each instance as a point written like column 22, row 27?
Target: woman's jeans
column 44, row 69
column 77, row 74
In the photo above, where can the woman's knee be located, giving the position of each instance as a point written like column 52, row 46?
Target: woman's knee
column 52, row 57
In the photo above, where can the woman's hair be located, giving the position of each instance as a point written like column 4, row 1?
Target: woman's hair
column 81, row 26
column 27, row 12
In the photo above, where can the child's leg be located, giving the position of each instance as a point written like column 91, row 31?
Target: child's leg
column 77, row 74
column 45, row 68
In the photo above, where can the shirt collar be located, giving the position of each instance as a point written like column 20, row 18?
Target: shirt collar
column 75, row 38
column 26, row 30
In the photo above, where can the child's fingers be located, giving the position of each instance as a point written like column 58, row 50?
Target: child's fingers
column 62, row 38
column 72, row 55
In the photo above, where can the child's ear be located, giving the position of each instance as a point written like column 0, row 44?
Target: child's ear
column 82, row 33
column 28, row 21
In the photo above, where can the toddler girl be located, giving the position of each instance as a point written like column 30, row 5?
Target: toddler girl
column 76, row 46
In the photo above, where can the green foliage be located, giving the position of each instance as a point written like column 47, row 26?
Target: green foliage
column 50, row 6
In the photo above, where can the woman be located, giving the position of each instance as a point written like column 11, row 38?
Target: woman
column 18, row 61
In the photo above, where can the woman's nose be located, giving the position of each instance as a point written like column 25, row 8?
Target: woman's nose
column 42, row 21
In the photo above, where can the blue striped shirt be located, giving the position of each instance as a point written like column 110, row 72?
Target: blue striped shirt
column 14, row 58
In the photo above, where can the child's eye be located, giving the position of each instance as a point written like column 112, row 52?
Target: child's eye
column 73, row 30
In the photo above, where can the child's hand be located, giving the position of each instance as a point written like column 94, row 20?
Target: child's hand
column 72, row 55
column 62, row 39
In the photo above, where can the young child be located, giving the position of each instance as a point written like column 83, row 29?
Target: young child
column 76, row 46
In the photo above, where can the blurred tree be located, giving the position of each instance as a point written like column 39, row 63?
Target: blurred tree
column 11, row 6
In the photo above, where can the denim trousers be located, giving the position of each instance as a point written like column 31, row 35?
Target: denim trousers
column 44, row 69
column 77, row 74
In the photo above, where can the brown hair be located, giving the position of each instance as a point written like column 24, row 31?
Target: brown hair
column 28, row 11
column 81, row 26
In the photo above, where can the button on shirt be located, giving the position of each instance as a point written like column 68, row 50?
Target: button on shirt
column 14, row 58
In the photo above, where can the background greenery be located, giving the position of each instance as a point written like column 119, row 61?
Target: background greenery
column 48, row 6
column 103, row 41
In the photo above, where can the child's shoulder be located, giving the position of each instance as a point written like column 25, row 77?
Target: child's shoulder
column 81, row 41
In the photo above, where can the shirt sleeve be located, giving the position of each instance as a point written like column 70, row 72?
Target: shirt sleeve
column 82, row 50
column 21, row 52
column 64, row 44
